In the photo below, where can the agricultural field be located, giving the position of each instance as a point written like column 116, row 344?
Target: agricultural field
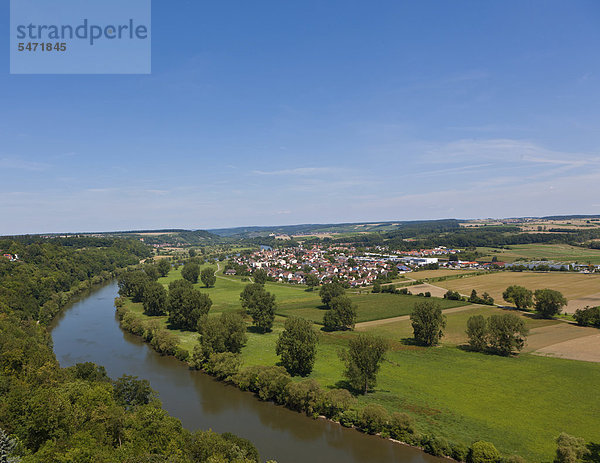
column 520, row 404
column 580, row 289
column 555, row 252
column 443, row 272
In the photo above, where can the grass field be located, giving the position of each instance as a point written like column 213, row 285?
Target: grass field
column 520, row 404
column 555, row 252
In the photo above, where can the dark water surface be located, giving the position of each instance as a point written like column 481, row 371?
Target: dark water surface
column 88, row 331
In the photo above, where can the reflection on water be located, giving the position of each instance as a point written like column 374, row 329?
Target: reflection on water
column 88, row 331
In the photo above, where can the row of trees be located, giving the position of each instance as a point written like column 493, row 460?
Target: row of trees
column 191, row 271
column 184, row 304
column 547, row 303
column 501, row 334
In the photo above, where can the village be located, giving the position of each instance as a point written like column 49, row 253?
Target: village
column 362, row 268
column 343, row 262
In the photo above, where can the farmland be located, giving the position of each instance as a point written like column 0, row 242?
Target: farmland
column 555, row 252
column 580, row 289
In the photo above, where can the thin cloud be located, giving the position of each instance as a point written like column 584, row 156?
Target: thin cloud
column 297, row 171
column 20, row 164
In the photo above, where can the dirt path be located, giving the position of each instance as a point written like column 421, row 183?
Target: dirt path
column 385, row 321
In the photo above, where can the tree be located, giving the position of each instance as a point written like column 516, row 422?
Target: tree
column 132, row 284
column 341, row 315
column 260, row 276
column 190, row 272
column 248, row 294
column 483, row 452
column 186, row 305
column 521, row 297
column 549, row 302
column 477, row 332
column 330, row 290
column 570, row 449
column 506, row 333
column 376, row 287
column 192, row 253
column 260, row 304
column 297, row 346
column 208, row 277
column 152, row 271
column 226, row 333
column 130, row 391
column 312, row 281
column 588, row 316
column 428, row 323
column 164, row 267
column 155, row 299
column 363, row 360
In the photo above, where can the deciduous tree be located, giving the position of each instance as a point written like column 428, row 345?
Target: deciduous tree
column 341, row 315
column 506, row 333
column 155, row 299
column 190, row 272
column 363, row 360
column 208, row 277
column 428, row 323
column 549, row 302
column 521, row 297
column 297, row 346
column 330, row 290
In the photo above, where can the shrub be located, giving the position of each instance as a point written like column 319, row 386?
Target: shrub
column 483, row 452
column 460, row 452
column 570, row 449
column 374, row 419
column 305, row 396
column 401, row 426
column 452, row 296
column 349, row 418
column 336, row 402
column 437, row 446
column 271, row 383
column 224, row 365
column 164, row 342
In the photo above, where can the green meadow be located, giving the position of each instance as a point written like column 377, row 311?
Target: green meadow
column 520, row 404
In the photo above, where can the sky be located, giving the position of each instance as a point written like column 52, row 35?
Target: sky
column 325, row 111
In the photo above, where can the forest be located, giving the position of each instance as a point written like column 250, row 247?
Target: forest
column 78, row 414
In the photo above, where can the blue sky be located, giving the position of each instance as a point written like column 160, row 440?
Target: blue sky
column 271, row 112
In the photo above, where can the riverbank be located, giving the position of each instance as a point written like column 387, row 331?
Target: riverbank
column 505, row 402
column 202, row 402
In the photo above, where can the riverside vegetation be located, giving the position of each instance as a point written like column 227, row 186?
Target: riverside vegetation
column 375, row 381
column 79, row 414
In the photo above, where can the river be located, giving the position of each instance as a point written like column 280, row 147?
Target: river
column 88, row 331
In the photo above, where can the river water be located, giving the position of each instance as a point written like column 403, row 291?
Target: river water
column 88, row 331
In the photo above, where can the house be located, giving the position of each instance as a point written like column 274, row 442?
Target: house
column 230, row 272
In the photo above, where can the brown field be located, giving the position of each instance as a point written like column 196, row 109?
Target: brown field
column 435, row 291
column 443, row 272
column 580, row 289
column 585, row 348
